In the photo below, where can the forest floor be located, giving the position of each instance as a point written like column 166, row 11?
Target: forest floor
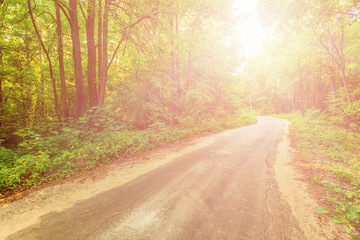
column 288, row 179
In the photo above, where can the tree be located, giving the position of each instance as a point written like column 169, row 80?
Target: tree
column 104, row 56
column 61, row 63
column 48, row 58
column 80, row 105
column 318, row 42
column 91, row 66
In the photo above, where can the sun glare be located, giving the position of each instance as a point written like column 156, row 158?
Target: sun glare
column 250, row 32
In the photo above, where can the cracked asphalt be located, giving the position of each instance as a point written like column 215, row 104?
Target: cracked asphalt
column 225, row 190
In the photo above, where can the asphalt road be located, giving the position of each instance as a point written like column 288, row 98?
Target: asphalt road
column 225, row 190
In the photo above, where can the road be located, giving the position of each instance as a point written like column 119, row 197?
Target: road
column 224, row 190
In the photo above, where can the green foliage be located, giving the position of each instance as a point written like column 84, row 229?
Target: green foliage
column 24, row 170
column 7, row 156
column 334, row 151
column 323, row 210
column 343, row 113
column 55, row 150
column 161, row 85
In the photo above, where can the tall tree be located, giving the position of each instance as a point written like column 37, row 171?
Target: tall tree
column 80, row 104
column 91, row 65
column 99, row 45
column 60, row 51
column 104, row 55
column 47, row 56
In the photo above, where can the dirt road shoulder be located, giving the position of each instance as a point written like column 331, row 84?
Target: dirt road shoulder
column 294, row 189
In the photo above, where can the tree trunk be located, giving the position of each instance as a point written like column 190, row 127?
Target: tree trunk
column 61, row 63
column 340, row 62
column 1, row 80
column 301, row 90
column 40, row 103
column 90, row 26
column 48, row 58
column 343, row 64
column 177, row 67
column 103, row 74
column 1, row 70
column 80, row 104
column 100, row 61
column 174, row 67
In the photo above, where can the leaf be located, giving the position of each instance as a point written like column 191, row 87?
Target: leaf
column 347, row 229
column 337, row 219
column 324, row 182
column 355, row 208
column 349, row 195
column 323, row 210
column 355, row 237
column 66, row 129
column 351, row 216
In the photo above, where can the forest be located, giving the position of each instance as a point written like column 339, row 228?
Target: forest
column 84, row 82
column 311, row 61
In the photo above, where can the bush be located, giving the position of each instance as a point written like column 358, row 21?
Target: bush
column 343, row 113
column 24, row 170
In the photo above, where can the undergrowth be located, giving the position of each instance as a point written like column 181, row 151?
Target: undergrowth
column 334, row 152
column 51, row 151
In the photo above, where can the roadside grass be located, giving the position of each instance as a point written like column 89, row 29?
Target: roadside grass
column 51, row 152
column 335, row 155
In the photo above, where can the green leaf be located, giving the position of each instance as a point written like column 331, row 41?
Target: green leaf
column 66, row 129
column 355, row 237
column 355, row 208
column 347, row 229
column 324, row 182
column 349, row 195
column 323, row 210
column 351, row 216
column 337, row 219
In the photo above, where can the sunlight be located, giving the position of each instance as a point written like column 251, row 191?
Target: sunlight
column 250, row 31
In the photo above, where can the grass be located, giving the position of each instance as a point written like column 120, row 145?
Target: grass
column 334, row 154
column 57, row 150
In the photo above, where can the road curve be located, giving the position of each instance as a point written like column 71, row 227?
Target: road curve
column 225, row 190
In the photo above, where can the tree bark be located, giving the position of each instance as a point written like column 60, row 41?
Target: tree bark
column 174, row 67
column 60, row 51
column 177, row 66
column 339, row 62
column 90, row 31
column 2, row 71
column 80, row 104
column 1, row 80
column 301, row 90
column 103, row 74
column 40, row 102
column 100, row 61
column 48, row 58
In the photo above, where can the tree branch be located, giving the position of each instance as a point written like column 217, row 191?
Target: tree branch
column 82, row 11
column 338, row 12
column 322, row 43
column 63, row 8
column 115, row 52
column 47, row 56
column 333, row 43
